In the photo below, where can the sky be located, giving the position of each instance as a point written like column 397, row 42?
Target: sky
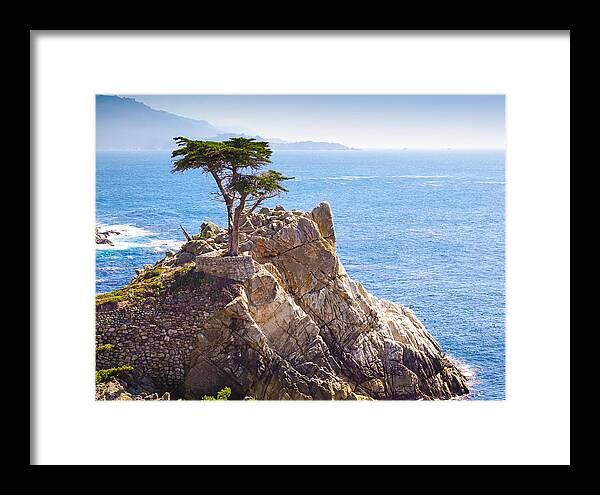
column 358, row 121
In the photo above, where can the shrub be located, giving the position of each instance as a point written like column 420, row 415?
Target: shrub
column 103, row 375
column 187, row 277
column 104, row 348
column 222, row 394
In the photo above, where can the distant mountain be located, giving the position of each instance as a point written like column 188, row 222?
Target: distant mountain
column 124, row 123
column 228, row 135
column 280, row 144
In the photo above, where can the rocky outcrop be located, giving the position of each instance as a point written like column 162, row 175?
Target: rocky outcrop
column 117, row 389
column 291, row 323
column 102, row 237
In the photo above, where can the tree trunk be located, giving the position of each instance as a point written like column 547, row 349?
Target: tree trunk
column 233, row 241
column 233, row 231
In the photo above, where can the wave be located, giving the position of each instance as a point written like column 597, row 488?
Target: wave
column 110, row 268
column 490, row 182
column 133, row 237
column 126, row 230
column 469, row 372
column 466, row 369
column 418, row 176
column 343, row 177
column 365, row 177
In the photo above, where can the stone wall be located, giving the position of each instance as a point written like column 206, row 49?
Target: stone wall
column 237, row 268
column 156, row 336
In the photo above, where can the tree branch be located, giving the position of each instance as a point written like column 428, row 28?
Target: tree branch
column 224, row 193
column 255, row 205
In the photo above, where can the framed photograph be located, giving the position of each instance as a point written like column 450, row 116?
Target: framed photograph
column 355, row 237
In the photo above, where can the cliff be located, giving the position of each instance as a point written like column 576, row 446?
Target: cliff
column 282, row 321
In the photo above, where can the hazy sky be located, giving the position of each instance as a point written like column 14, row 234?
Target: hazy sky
column 361, row 121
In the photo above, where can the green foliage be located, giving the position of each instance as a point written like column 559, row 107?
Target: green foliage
column 151, row 283
column 130, row 291
column 214, row 156
column 263, row 184
column 233, row 164
column 101, row 349
column 187, row 276
column 222, row 394
column 103, row 375
column 154, row 272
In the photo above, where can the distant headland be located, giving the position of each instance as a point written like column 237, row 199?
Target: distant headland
column 127, row 124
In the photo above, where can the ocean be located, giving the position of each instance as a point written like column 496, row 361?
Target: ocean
column 421, row 228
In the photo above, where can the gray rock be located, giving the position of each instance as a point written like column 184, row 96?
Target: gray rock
column 209, row 229
column 197, row 247
column 184, row 257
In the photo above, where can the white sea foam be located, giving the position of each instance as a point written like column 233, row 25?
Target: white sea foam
column 125, row 230
column 353, row 177
column 418, row 176
column 466, row 369
column 366, row 177
column 133, row 237
column 160, row 245
column 469, row 372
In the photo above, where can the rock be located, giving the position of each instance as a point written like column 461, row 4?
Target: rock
column 264, row 211
column 300, row 328
column 209, row 229
column 112, row 390
column 247, row 227
column 117, row 389
column 283, row 322
column 102, row 237
column 279, row 208
column 322, row 216
column 184, row 257
column 246, row 246
column 197, row 247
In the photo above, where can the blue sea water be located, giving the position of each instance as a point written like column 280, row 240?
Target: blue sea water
column 421, row 228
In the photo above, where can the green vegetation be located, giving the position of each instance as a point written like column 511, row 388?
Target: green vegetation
column 130, row 291
column 103, row 375
column 188, row 277
column 222, row 394
column 234, row 165
column 148, row 284
column 103, row 348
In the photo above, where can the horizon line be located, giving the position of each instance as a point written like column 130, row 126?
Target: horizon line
column 405, row 148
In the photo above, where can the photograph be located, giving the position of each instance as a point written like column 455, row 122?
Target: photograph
column 277, row 247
